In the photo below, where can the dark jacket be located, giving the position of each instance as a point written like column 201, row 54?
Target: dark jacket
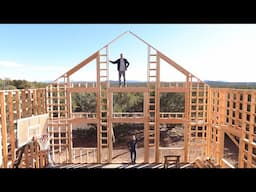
column 118, row 63
column 132, row 145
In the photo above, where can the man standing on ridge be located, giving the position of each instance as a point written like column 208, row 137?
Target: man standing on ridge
column 122, row 65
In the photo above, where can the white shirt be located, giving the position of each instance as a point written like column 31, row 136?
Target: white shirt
column 122, row 65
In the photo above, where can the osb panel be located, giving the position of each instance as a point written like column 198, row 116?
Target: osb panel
column 29, row 127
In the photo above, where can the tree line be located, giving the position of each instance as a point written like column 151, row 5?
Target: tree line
column 8, row 84
column 128, row 102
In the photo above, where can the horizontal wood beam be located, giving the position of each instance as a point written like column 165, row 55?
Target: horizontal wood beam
column 173, row 89
column 82, row 89
column 172, row 121
column 83, row 120
column 128, row 120
column 128, row 89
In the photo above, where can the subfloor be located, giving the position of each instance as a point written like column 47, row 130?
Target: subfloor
column 121, row 166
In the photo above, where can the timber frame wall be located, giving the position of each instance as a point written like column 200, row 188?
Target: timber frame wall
column 210, row 113
column 194, row 119
column 14, row 105
column 234, row 114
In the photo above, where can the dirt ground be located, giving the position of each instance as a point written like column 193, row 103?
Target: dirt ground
column 171, row 138
column 231, row 151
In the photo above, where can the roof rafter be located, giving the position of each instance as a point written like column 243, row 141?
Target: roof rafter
column 94, row 56
column 79, row 66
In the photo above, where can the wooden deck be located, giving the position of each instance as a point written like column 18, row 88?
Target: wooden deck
column 117, row 166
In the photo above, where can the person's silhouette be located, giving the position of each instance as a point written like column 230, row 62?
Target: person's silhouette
column 122, row 65
column 132, row 147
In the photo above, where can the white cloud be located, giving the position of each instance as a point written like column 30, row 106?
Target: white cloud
column 10, row 64
column 30, row 72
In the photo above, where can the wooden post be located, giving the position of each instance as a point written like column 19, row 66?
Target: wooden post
column 37, row 153
column 157, row 110
column 45, row 109
column 39, row 101
column 98, row 115
column 241, row 152
column 241, row 162
column 110, row 125
column 32, row 154
column 186, row 117
column 35, row 103
column 26, row 156
column 221, row 122
column 11, row 126
column 29, row 102
column 220, row 144
column 209, row 128
column 70, row 142
column 252, row 124
column 206, row 125
column 69, row 109
column 146, row 127
column 17, row 98
column 23, row 104
column 4, row 129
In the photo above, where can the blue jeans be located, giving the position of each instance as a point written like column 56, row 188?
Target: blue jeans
column 120, row 74
column 133, row 156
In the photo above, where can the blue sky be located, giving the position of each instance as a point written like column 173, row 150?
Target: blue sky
column 39, row 52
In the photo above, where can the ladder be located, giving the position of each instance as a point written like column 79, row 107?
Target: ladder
column 104, row 84
column 152, row 82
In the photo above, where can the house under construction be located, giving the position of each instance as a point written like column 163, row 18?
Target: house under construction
column 209, row 115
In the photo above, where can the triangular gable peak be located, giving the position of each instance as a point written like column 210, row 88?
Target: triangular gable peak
column 160, row 54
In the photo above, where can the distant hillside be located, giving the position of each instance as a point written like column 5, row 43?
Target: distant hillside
column 23, row 84
column 237, row 85
column 8, row 84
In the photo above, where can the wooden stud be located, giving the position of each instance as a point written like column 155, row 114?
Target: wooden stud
column 252, row 123
column 186, row 117
column 69, row 108
column 37, row 153
column 29, row 103
column 39, row 102
column 44, row 102
column 26, row 160
column 157, row 109
column 4, row 129
column 210, row 114
column 110, row 126
column 11, row 126
column 98, row 111
column 251, row 126
column 146, row 127
column 17, row 99
column 35, row 103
